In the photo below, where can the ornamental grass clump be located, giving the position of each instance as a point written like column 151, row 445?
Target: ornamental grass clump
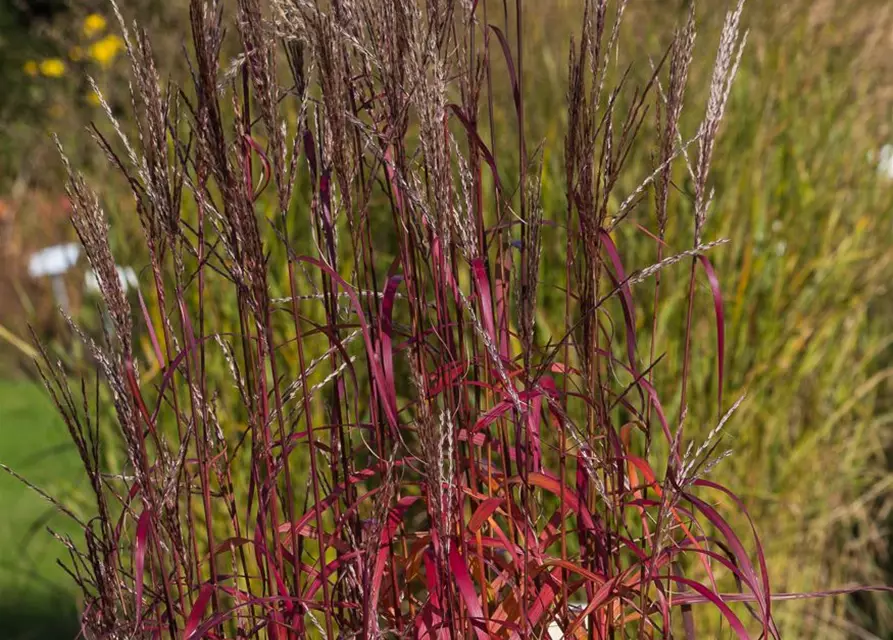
column 398, row 448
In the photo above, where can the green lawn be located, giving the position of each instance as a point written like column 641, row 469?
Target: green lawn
column 36, row 597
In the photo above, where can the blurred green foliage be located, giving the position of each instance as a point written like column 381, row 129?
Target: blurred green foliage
column 37, row 599
column 21, row 39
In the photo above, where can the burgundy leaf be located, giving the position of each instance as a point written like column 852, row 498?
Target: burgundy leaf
column 143, row 531
column 198, row 610
column 462, row 577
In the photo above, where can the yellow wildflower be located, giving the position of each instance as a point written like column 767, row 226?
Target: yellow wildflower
column 106, row 50
column 30, row 68
column 76, row 54
column 93, row 99
column 94, row 24
column 52, row 67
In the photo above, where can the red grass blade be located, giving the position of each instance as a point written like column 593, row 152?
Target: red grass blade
column 143, row 531
column 267, row 170
column 484, row 511
column 488, row 155
column 388, row 400
column 386, row 327
column 395, row 519
column 150, row 327
column 510, row 63
column 534, row 418
column 761, row 556
column 626, row 298
column 464, row 583
column 482, row 288
column 713, row 598
column 734, row 542
column 198, row 610
column 430, row 622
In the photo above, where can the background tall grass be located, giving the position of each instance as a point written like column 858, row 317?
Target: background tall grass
column 804, row 281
